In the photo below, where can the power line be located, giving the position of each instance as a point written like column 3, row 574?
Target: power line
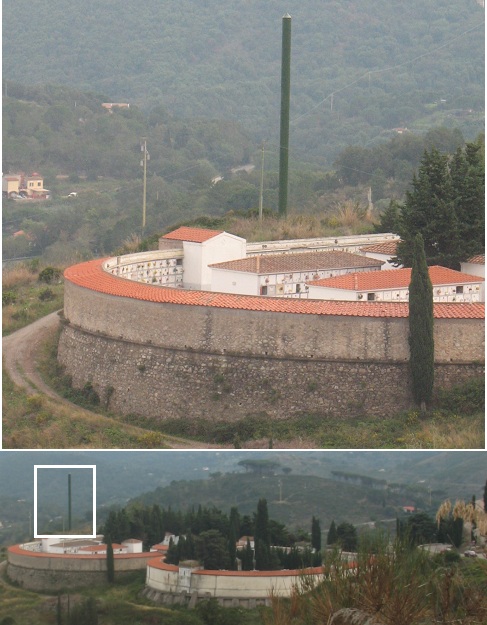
column 385, row 69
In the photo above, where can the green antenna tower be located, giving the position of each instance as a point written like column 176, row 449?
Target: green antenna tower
column 285, row 97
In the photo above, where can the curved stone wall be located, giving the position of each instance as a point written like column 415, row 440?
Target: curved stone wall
column 165, row 352
column 164, row 584
column 49, row 572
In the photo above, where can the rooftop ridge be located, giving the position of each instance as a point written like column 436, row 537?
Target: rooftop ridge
column 90, row 275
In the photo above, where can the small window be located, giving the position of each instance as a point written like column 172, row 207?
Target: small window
column 263, row 290
column 370, row 297
column 179, row 261
column 298, row 288
column 459, row 289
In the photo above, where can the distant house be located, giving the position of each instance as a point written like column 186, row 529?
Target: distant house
column 285, row 275
column 111, row 105
column 475, row 266
column 408, row 509
column 393, row 286
column 32, row 186
column 11, row 184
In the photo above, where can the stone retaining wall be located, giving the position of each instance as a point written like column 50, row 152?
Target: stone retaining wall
column 237, row 356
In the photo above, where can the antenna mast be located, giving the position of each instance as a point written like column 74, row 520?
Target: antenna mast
column 285, row 96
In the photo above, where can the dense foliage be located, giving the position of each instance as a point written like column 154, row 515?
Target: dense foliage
column 358, row 70
column 446, row 206
column 393, row 584
column 209, row 535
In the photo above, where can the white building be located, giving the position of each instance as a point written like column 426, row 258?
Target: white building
column 393, row 286
column 285, row 275
column 475, row 266
column 201, row 247
column 385, row 251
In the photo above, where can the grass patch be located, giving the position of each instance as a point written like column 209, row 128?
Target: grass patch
column 25, row 298
column 118, row 604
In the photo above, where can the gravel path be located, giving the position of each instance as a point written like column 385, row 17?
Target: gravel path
column 20, row 356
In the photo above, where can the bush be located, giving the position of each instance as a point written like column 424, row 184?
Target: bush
column 468, row 398
column 49, row 275
column 8, row 297
column 46, row 295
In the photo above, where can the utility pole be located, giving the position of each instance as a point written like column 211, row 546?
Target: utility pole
column 261, row 196
column 143, row 162
column 285, row 97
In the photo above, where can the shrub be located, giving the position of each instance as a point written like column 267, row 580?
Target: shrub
column 468, row 398
column 46, row 295
column 8, row 297
column 49, row 275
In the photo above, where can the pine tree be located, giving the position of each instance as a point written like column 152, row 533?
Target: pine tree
column 421, row 340
column 447, row 206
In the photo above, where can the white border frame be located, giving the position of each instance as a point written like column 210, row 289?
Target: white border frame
column 65, row 466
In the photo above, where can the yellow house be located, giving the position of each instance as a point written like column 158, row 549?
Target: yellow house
column 34, row 184
column 11, row 183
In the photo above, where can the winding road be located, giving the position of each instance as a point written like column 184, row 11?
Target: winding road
column 21, row 355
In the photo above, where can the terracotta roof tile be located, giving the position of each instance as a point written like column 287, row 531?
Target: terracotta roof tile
column 298, row 261
column 393, row 279
column 157, row 563
column 477, row 260
column 192, row 235
column 90, row 275
column 17, row 549
column 387, row 247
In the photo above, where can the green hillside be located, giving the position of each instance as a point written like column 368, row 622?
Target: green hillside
column 359, row 70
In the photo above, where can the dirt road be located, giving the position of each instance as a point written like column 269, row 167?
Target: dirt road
column 20, row 351
column 21, row 354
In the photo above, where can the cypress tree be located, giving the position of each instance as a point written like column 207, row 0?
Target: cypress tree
column 110, row 561
column 332, row 534
column 421, row 341
column 315, row 534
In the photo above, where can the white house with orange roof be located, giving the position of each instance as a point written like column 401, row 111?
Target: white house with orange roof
column 285, row 275
column 393, row 286
column 384, row 251
column 200, row 248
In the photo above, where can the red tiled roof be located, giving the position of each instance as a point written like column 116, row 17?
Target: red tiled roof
column 192, row 235
column 298, row 261
column 157, row 563
column 393, row 279
column 477, row 260
column 90, row 275
column 17, row 549
column 387, row 247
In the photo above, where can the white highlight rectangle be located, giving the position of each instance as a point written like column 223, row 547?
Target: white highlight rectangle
column 65, row 466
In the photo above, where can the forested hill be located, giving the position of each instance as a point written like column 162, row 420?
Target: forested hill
column 359, row 69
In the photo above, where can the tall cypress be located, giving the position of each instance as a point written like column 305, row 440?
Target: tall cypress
column 316, row 534
column 421, row 340
column 110, row 561
column 332, row 534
